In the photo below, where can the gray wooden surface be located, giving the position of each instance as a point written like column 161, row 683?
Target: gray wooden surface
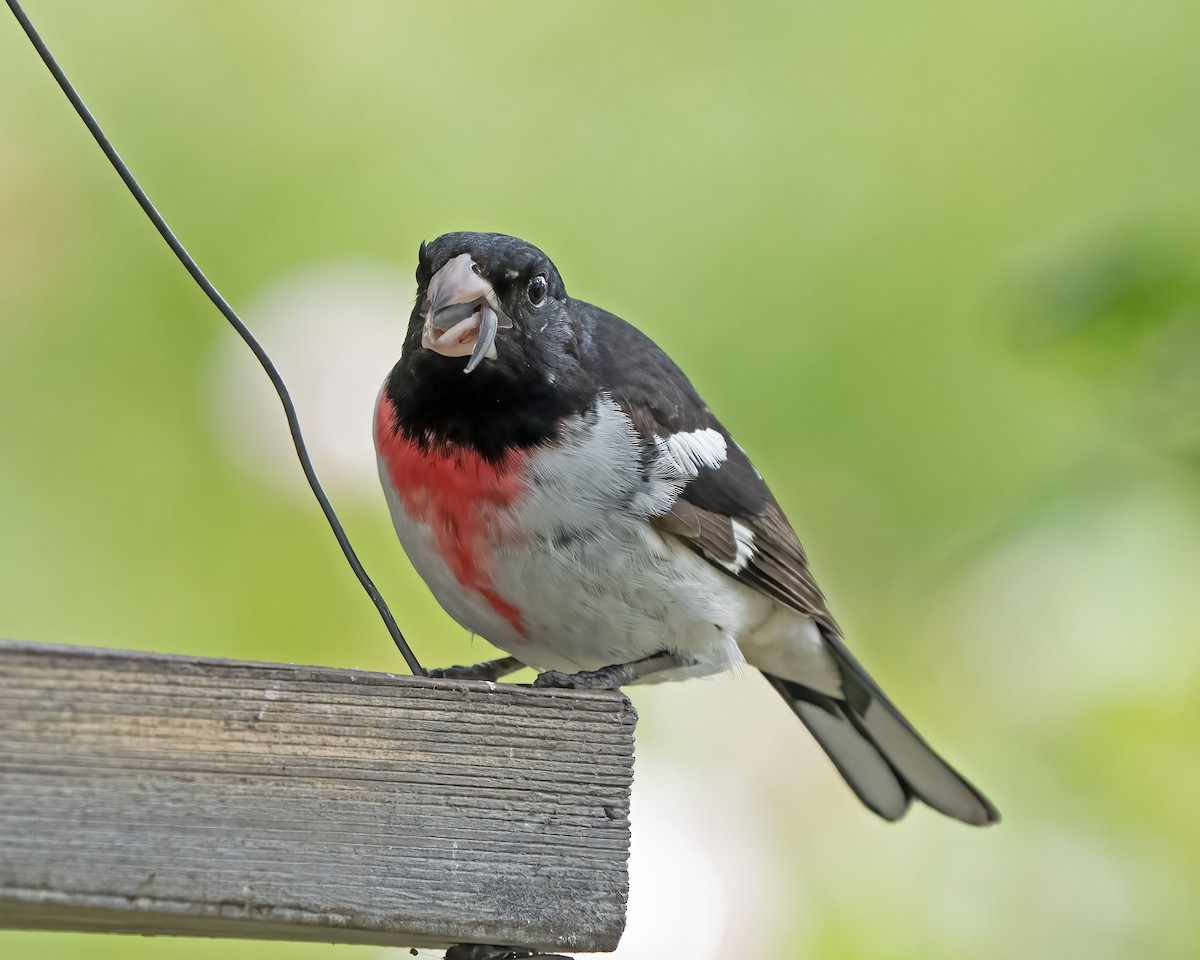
column 161, row 794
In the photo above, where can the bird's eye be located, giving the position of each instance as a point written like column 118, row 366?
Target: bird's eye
column 536, row 291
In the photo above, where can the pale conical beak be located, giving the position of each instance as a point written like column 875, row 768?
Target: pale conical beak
column 462, row 314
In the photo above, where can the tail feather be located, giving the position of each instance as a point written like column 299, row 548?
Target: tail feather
column 856, row 758
column 879, row 754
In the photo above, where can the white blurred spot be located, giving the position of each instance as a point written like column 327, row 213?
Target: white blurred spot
column 1097, row 603
column 703, row 883
column 334, row 331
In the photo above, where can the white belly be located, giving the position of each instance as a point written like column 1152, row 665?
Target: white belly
column 595, row 583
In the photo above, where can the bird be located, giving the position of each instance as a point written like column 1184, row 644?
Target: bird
column 566, row 494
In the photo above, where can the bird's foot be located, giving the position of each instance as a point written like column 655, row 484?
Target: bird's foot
column 606, row 678
column 488, row 670
column 612, row 677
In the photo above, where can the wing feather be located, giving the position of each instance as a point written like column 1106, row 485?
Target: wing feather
column 661, row 403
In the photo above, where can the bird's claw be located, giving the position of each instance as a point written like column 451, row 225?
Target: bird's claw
column 488, row 670
column 603, row 679
column 554, row 680
column 472, row 672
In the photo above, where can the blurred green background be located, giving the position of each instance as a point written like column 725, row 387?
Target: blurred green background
column 934, row 264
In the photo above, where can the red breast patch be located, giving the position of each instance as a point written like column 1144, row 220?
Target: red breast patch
column 460, row 496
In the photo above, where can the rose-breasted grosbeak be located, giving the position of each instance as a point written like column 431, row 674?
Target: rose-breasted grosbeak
column 566, row 494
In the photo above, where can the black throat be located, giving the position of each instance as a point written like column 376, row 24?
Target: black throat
column 491, row 411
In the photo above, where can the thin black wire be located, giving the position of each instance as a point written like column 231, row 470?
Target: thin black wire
column 234, row 321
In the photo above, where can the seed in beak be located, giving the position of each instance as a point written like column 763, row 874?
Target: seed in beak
column 485, row 339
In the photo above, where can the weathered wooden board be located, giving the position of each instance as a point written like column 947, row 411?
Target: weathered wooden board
column 144, row 793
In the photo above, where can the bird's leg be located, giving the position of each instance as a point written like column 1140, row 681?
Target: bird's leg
column 613, row 676
column 488, row 670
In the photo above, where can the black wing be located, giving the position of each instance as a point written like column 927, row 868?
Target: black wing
column 660, row 400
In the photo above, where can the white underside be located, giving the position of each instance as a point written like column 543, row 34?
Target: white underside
column 597, row 584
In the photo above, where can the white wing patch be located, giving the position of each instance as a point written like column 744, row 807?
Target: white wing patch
column 694, row 449
column 743, row 538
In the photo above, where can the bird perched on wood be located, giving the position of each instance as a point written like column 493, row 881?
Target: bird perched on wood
column 565, row 493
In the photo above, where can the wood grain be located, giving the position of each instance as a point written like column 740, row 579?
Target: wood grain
column 145, row 793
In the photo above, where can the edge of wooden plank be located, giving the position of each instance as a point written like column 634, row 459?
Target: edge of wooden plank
column 351, row 674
